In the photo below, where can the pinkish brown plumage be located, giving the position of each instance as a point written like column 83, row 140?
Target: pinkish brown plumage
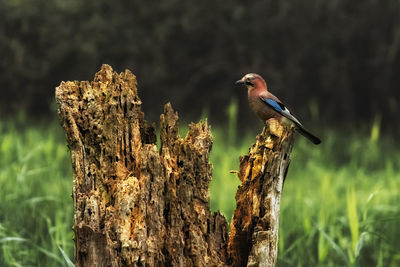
column 265, row 105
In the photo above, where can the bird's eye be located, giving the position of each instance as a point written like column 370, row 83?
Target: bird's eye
column 248, row 82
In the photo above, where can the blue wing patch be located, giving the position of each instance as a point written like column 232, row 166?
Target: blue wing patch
column 279, row 107
column 273, row 104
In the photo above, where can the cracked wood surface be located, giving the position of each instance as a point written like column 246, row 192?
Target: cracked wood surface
column 136, row 205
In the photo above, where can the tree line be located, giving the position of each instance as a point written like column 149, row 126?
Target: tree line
column 331, row 60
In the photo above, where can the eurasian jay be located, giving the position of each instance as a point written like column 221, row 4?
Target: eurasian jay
column 265, row 105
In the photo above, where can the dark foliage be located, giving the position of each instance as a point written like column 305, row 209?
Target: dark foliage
column 338, row 57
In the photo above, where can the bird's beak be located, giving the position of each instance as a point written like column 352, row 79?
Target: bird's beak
column 239, row 81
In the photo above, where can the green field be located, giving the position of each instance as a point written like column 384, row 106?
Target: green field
column 340, row 205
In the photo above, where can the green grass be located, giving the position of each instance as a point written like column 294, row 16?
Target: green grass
column 340, row 204
column 35, row 196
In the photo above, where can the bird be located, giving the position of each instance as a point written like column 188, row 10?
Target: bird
column 266, row 105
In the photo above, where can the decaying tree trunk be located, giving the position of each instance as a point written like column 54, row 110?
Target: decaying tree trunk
column 253, row 240
column 136, row 205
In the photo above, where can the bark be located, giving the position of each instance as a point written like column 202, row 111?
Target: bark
column 253, row 240
column 137, row 205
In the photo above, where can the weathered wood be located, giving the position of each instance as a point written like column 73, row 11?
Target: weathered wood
column 253, row 240
column 136, row 205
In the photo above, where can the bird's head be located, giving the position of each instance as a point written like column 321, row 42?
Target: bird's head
column 253, row 81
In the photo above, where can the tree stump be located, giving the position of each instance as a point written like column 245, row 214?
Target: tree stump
column 253, row 240
column 136, row 205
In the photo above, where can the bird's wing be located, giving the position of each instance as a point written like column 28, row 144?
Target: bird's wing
column 276, row 105
column 280, row 108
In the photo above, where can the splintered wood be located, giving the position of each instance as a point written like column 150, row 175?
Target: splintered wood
column 253, row 240
column 137, row 205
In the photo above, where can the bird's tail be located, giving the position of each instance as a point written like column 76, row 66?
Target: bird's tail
column 308, row 135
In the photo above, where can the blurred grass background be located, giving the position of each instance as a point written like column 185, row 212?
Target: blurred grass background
column 340, row 204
